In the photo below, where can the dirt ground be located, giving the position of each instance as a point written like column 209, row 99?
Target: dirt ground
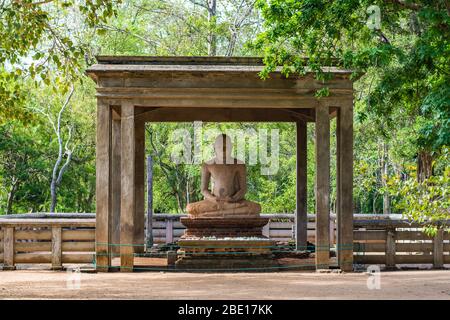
column 39, row 284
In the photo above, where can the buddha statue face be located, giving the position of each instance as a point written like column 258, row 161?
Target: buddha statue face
column 222, row 149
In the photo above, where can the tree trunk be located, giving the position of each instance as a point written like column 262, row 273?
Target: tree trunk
column 11, row 195
column 57, row 176
column 52, row 197
column 384, row 175
column 188, row 200
column 374, row 203
column 424, row 165
column 212, row 45
column 232, row 44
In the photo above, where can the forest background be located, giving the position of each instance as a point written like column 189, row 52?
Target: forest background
column 400, row 57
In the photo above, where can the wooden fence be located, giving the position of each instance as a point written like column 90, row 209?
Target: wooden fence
column 393, row 242
column 54, row 241
column 378, row 239
column 167, row 228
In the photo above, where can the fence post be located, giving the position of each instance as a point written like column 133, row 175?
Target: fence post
column 266, row 230
column 169, row 230
column 438, row 249
column 332, row 233
column 56, row 248
column 8, row 248
column 390, row 249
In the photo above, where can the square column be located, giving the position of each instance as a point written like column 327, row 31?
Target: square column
column 139, row 182
column 103, row 187
column 344, row 183
column 322, row 187
column 116, row 153
column 115, row 180
column 301, row 217
column 128, row 198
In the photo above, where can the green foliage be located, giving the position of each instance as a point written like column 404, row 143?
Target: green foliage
column 401, row 71
column 22, row 169
column 39, row 39
column 427, row 201
column 28, row 153
column 407, row 58
column 401, row 102
column 173, row 27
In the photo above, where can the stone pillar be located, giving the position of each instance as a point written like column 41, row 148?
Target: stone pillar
column 344, row 181
column 301, row 217
column 115, row 179
column 139, row 182
column 103, row 187
column 128, row 195
column 322, row 186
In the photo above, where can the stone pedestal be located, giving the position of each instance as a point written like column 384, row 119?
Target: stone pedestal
column 225, row 244
column 226, row 254
column 226, row 227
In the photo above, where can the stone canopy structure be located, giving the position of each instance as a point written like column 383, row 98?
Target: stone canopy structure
column 134, row 90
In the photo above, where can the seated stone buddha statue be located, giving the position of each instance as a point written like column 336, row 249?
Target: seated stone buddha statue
column 229, row 186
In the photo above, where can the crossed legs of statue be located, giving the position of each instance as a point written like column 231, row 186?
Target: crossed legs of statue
column 209, row 209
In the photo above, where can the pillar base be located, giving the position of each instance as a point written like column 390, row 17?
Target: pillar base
column 57, row 268
column 9, row 268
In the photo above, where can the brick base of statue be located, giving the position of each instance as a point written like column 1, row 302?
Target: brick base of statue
column 229, row 244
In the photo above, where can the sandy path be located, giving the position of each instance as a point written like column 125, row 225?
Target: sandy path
column 31, row 284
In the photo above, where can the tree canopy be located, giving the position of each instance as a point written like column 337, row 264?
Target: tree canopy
column 44, row 41
column 405, row 60
column 398, row 51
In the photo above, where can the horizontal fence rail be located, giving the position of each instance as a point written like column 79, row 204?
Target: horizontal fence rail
column 54, row 241
column 59, row 239
column 393, row 242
